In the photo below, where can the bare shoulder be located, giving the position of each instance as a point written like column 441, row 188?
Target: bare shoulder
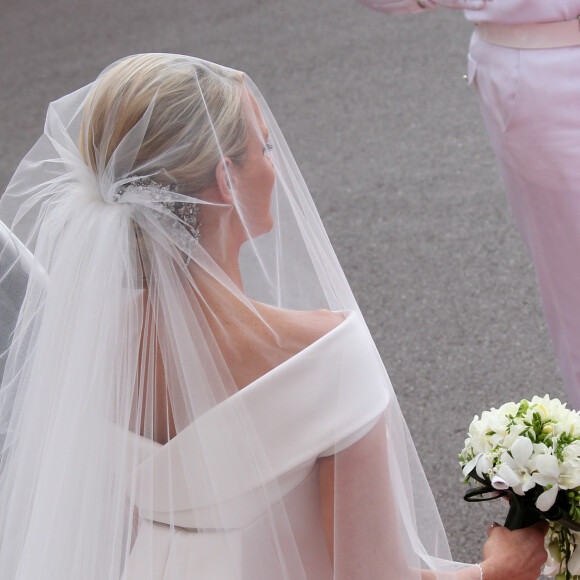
column 304, row 327
column 317, row 323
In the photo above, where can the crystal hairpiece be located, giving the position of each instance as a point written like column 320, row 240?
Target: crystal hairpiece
column 185, row 212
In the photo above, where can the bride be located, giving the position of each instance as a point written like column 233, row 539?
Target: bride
column 191, row 391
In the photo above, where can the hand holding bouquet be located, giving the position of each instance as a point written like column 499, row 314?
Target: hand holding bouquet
column 529, row 452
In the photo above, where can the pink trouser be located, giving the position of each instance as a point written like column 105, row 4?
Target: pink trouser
column 530, row 101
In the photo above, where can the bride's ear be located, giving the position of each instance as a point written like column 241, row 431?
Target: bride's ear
column 225, row 179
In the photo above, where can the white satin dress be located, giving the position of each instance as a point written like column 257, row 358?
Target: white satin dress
column 186, row 536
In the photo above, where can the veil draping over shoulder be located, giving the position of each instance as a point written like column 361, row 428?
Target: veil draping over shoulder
column 191, row 391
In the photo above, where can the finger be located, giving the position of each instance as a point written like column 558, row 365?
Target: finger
column 491, row 527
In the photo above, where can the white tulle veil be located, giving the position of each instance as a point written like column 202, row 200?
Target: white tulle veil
column 190, row 390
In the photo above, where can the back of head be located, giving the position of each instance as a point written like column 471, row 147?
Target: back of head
column 166, row 115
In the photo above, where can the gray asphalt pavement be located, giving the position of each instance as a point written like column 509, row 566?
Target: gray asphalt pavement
column 389, row 139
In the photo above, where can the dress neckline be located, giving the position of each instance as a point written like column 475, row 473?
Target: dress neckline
column 349, row 318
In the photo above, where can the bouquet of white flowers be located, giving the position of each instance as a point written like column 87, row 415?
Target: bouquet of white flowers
column 529, row 453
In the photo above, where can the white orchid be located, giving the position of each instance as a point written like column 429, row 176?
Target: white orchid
column 574, row 563
column 512, row 467
column 570, row 467
column 546, row 472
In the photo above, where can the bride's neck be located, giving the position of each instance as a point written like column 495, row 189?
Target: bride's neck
column 225, row 253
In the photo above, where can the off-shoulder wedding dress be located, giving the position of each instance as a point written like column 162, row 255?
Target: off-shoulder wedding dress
column 288, row 409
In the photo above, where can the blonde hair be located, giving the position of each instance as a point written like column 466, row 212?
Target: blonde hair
column 196, row 117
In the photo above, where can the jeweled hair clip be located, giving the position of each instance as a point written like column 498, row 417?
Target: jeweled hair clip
column 186, row 212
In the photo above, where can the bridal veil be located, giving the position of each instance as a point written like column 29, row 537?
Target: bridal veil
column 190, row 390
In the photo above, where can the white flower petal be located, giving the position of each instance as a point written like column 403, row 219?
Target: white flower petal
column 506, row 473
column 570, row 476
column 529, row 484
column 574, row 563
column 507, row 459
column 550, row 569
column 544, row 480
column 540, row 448
column 521, row 450
column 546, row 500
column 484, row 464
column 498, row 483
column 547, row 465
column 470, row 465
